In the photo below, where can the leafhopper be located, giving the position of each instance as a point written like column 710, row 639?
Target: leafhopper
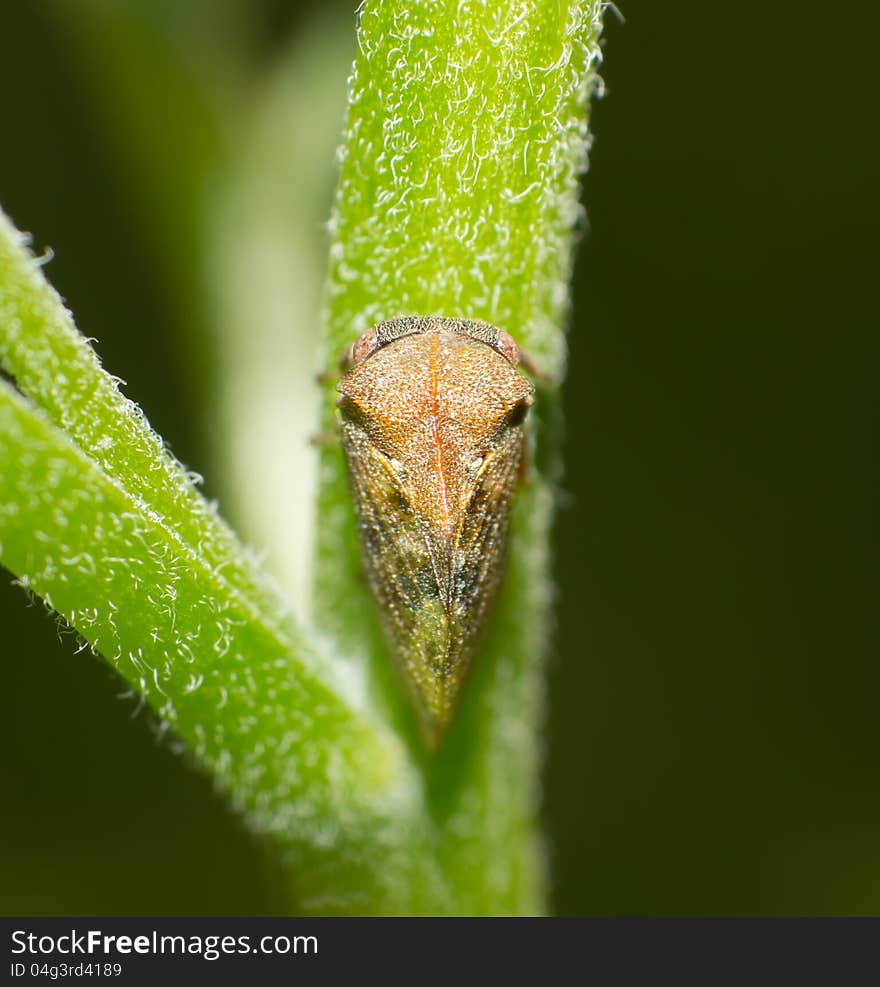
column 432, row 418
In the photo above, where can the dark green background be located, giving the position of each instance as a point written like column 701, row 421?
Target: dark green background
column 713, row 737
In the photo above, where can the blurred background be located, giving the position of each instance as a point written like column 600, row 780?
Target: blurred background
column 713, row 737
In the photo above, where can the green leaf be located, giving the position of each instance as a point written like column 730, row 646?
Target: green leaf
column 57, row 368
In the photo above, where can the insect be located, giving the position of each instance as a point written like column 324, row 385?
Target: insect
column 432, row 421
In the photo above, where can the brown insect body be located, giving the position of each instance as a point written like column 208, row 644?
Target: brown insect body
column 432, row 423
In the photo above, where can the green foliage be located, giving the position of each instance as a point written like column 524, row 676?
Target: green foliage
column 465, row 134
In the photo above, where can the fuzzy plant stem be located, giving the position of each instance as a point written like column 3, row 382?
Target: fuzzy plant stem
column 458, row 196
column 98, row 520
